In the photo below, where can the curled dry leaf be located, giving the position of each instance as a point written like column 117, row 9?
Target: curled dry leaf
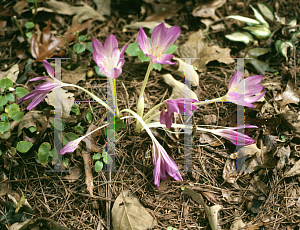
column 162, row 11
column 229, row 172
column 211, row 140
column 75, row 173
column 211, row 211
column 74, row 76
column 29, row 120
column 208, row 9
column 196, row 46
column 180, row 90
column 149, row 25
column 295, row 170
column 90, row 140
column 291, row 119
column 185, row 68
column 66, row 97
column 88, row 171
column 129, row 214
column 82, row 12
column 11, row 74
column 46, row 48
column 41, row 49
column 290, row 94
column 103, row 7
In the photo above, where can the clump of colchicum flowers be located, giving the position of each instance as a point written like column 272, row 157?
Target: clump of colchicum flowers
column 110, row 61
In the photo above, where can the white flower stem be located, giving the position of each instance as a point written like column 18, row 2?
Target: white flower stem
column 114, row 93
column 140, row 103
column 92, row 95
column 138, row 126
column 220, row 99
column 141, row 121
column 102, row 127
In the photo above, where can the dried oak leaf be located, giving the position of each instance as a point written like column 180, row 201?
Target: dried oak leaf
column 75, row 173
column 196, row 46
column 82, row 12
column 162, row 11
column 208, row 9
column 290, row 94
column 74, row 76
column 45, row 48
column 128, row 214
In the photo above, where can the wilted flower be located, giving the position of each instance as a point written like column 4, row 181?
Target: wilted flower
column 163, row 163
column 235, row 137
column 71, row 146
column 161, row 39
column 109, row 58
column 244, row 92
column 176, row 106
column 40, row 92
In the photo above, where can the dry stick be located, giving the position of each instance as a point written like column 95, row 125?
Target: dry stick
column 295, row 64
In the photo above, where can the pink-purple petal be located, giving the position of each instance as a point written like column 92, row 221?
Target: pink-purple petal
column 39, row 78
column 110, row 44
column 123, row 51
column 144, row 42
column 172, row 34
column 98, row 47
column 35, row 101
column 49, row 68
column 164, row 59
column 158, row 36
column 235, row 79
column 47, row 86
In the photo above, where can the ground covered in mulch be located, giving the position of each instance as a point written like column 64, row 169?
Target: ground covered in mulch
column 265, row 197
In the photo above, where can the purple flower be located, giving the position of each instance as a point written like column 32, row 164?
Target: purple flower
column 40, row 92
column 176, row 105
column 71, row 146
column 163, row 163
column 161, row 39
column 244, row 92
column 109, row 58
column 235, row 137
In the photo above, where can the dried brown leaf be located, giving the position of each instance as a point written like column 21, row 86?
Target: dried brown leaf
column 88, row 172
column 162, row 11
column 90, row 141
column 295, row 170
column 208, row 9
column 74, row 76
column 66, row 97
column 290, row 94
column 180, row 90
column 211, row 211
column 128, row 214
column 211, row 140
column 30, row 119
column 196, row 46
column 82, row 12
column 75, row 173
column 11, row 74
column 229, row 172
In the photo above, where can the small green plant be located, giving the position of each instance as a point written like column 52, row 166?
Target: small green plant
column 29, row 25
column 100, row 159
column 171, row 228
column 260, row 29
column 8, row 111
column 78, row 47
